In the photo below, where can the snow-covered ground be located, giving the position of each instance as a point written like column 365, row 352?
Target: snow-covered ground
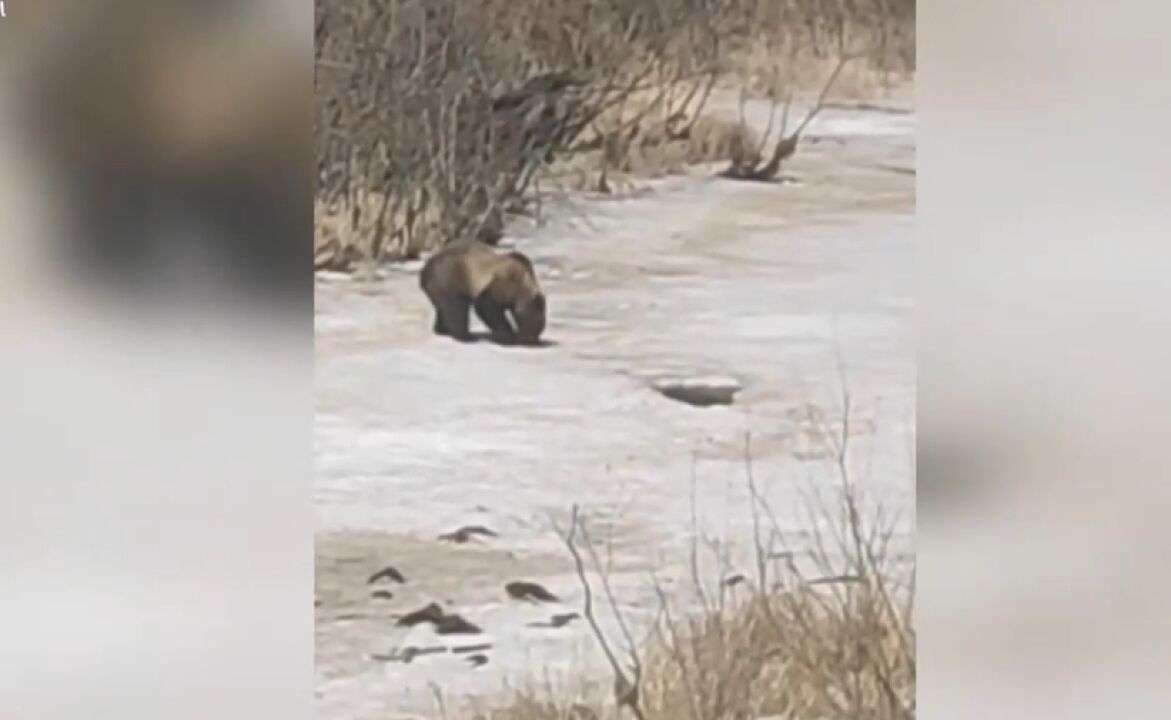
column 789, row 289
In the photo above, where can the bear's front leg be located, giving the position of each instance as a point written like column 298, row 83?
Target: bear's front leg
column 492, row 315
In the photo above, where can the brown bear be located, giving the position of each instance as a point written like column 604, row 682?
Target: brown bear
column 470, row 273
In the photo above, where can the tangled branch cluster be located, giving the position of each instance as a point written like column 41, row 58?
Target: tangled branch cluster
column 433, row 116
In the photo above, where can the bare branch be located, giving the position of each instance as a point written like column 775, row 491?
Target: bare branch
column 626, row 688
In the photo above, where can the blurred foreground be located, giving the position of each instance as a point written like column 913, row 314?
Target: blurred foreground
column 159, row 147
column 155, row 229
column 1043, row 354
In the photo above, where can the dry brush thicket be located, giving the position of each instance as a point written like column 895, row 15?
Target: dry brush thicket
column 434, row 118
column 833, row 643
column 813, row 633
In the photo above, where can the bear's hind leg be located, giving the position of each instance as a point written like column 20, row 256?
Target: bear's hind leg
column 452, row 318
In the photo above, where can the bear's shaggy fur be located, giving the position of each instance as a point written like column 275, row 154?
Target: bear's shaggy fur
column 470, row 273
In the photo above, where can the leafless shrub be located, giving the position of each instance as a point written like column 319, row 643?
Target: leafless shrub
column 444, row 110
column 749, row 166
column 628, row 673
column 434, row 116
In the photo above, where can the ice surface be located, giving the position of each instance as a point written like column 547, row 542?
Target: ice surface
column 785, row 289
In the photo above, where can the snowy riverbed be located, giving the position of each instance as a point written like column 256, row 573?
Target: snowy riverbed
column 787, row 289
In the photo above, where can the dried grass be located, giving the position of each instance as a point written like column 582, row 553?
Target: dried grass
column 834, row 642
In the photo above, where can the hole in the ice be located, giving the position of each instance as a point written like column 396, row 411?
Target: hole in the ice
column 700, row 391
